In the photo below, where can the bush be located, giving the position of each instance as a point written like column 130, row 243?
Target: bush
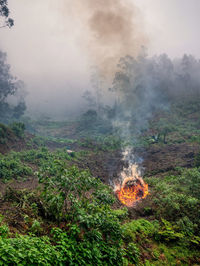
column 133, row 253
column 18, row 128
column 168, row 233
column 142, row 227
column 13, row 168
column 3, row 131
column 25, row 250
column 177, row 197
column 4, row 230
column 94, row 234
column 36, row 227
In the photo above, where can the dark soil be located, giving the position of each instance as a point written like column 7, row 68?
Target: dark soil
column 16, row 144
column 161, row 159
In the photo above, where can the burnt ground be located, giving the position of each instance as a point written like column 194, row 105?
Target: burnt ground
column 103, row 165
column 157, row 160
column 161, row 159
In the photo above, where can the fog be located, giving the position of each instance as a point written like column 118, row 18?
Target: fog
column 54, row 44
column 149, row 85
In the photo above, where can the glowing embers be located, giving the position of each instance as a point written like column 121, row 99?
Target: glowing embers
column 132, row 191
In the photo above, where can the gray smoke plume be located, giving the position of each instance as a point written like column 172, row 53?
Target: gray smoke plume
column 111, row 29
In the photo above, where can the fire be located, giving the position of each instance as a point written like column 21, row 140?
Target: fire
column 132, row 188
column 132, row 192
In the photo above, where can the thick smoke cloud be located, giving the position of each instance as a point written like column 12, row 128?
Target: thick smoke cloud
column 49, row 45
column 113, row 29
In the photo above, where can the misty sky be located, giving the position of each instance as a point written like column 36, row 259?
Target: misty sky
column 45, row 50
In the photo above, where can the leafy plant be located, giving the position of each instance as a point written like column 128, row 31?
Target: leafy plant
column 141, row 226
column 13, row 168
column 25, row 250
column 4, row 230
column 18, row 128
column 36, row 227
column 168, row 233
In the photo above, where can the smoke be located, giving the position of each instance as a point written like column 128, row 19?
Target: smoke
column 146, row 85
column 132, row 169
column 49, row 44
column 111, row 29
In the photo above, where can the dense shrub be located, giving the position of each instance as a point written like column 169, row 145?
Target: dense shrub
column 26, row 250
column 13, row 168
column 140, row 227
column 177, row 197
column 94, row 229
column 18, row 128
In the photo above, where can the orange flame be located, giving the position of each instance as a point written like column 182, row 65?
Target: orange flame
column 129, row 194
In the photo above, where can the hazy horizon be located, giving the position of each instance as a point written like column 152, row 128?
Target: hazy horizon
column 46, row 51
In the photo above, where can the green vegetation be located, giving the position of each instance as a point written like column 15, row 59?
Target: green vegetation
column 12, row 132
column 18, row 128
column 72, row 218
column 16, row 165
column 178, row 201
column 13, row 168
column 93, row 233
column 3, row 134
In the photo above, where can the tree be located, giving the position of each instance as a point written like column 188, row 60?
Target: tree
column 9, row 85
column 4, row 12
column 164, row 128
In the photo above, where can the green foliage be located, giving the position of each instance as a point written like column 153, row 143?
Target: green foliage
column 43, row 157
column 92, row 124
column 110, row 142
column 102, row 143
column 133, row 253
column 121, row 213
column 62, row 190
column 163, row 127
column 4, row 230
column 36, row 227
column 177, row 199
column 186, row 226
column 168, row 233
column 13, row 168
column 36, row 141
column 18, row 128
column 9, row 132
column 91, row 250
column 141, row 226
column 94, row 234
column 3, row 131
column 25, row 250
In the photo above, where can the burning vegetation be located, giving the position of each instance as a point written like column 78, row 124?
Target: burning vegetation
column 132, row 192
column 133, row 188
